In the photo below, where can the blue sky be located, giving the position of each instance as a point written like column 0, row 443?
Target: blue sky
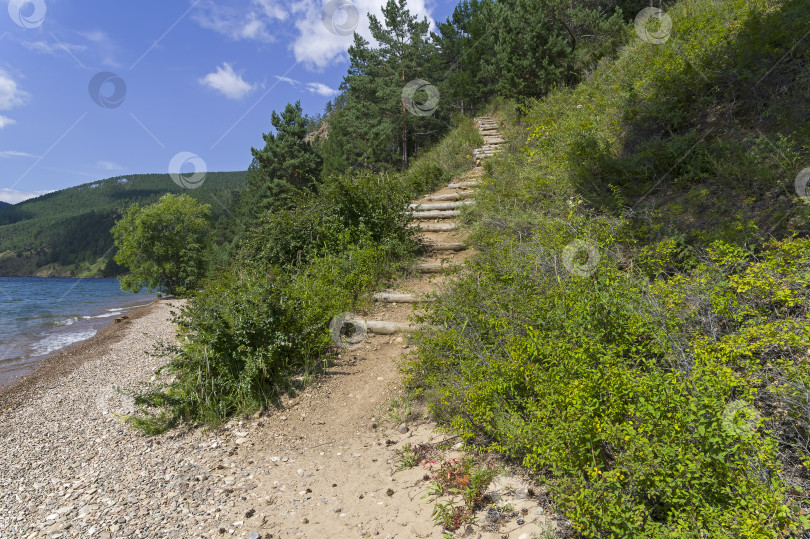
column 90, row 90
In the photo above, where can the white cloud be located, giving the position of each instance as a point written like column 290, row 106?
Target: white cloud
column 249, row 19
column 321, row 89
column 11, row 95
column 228, row 82
column 104, row 46
column 12, row 196
column 13, row 153
column 313, row 43
column 5, row 121
column 292, row 82
column 109, row 165
column 313, row 87
column 46, row 47
column 317, row 47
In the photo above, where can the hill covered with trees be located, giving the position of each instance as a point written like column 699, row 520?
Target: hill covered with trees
column 67, row 232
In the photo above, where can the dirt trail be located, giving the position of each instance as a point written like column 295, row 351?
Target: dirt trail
column 328, row 465
column 324, row 466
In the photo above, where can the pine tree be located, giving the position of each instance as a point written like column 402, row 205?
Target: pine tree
column 375, row 120
column 287, row 163
column 533, row 50
column 466, row 44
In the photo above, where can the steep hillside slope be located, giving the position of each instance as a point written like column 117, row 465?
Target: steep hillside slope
column 636, row 329
column 67, row 232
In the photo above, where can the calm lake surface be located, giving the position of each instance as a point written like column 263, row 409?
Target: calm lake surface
column 39, row 316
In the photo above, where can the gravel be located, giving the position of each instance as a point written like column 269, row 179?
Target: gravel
column 72, row 468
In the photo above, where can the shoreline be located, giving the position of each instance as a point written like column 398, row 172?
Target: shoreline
column 59, row 364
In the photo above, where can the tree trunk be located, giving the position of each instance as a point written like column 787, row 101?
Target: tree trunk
column 404, row 130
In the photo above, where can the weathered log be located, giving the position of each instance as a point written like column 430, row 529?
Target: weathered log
column 381, row 327
column 433, row 214
column 446, row 246
column 451, row 196
column 390, row 297
column 434, row 267
column 440, row 205
column 433, row 227
column 461, row 185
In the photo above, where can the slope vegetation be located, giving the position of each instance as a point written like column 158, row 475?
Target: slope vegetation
column 68, row 232
column 635, row 329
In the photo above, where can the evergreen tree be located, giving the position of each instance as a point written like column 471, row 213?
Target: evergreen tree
column 532, row 51
column 466, row 44
column 375, row 121
column 286, row 163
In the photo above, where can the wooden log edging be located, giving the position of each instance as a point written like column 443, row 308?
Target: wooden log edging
column 451, row 196
column 462, row 185
column 434, row 214
column 449, row 246
column 392, row 297
column 431, row 206
column 433, row 227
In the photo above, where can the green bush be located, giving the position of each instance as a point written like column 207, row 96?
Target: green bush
column 665, row 393
column 253, row 328
column 644, row 408
column 264, row 319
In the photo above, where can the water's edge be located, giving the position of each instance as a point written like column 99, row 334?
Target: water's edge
column 56, row 362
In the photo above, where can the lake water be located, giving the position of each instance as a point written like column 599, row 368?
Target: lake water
column 39, row 316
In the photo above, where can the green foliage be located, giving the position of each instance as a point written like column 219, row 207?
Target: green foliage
column 68, row 232
column 364, row 210
column 263, row 318
column 285, row 165
column 532, row 51
column 665, row 393
column 464, row 478
column 520, row 49
column 164, row 245
column 373, row 129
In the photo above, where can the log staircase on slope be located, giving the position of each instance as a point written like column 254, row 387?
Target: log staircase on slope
column 445, row 248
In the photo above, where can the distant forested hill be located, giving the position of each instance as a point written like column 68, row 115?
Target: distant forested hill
column 3, row 204
column 67, row 232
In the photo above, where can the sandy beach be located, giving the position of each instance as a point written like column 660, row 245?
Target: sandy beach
column 325, row 464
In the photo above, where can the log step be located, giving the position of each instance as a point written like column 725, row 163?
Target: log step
column 440, row 205
column 388, row 297
column 451, row 246
column 433, row 227
column 381, row 327
column 462, row 185
column 451, row 196
column 434, row 267
column 433, row 214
